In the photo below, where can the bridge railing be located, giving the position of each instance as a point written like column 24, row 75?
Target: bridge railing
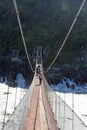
column 66, row 118
column 16, row 120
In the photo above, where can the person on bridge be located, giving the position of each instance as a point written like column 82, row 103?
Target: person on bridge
column 40, row 78
column 37, row 70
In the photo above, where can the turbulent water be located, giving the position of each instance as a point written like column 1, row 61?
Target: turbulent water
column 68, row 85
column 20, row 81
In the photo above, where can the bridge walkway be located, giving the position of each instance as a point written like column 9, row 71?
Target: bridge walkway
column 39, row 115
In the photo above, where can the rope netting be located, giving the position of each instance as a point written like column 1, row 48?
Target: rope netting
column 16, row 118
column 66, row 117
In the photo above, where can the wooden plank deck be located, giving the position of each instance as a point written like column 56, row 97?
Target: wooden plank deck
column 39, row 115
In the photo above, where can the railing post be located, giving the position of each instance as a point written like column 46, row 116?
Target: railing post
column 73, row 109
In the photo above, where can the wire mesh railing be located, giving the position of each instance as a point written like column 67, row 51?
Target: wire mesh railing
column 66, row 118
column 16, row 120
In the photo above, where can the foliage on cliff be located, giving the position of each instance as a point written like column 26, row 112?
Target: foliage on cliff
column 45, row 23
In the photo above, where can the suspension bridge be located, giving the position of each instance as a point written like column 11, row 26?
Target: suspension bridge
column 41, row 108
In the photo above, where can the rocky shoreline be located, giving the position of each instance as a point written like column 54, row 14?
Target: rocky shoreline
column 56, row 75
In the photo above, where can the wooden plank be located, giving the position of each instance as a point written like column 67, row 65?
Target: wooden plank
column 40, row 115
column 41, row 122
column 29, row 123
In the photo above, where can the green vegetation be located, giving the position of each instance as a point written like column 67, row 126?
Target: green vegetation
column 45, row 23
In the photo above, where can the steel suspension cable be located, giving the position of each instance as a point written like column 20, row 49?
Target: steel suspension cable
column 68, row 34
column 20, row 26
